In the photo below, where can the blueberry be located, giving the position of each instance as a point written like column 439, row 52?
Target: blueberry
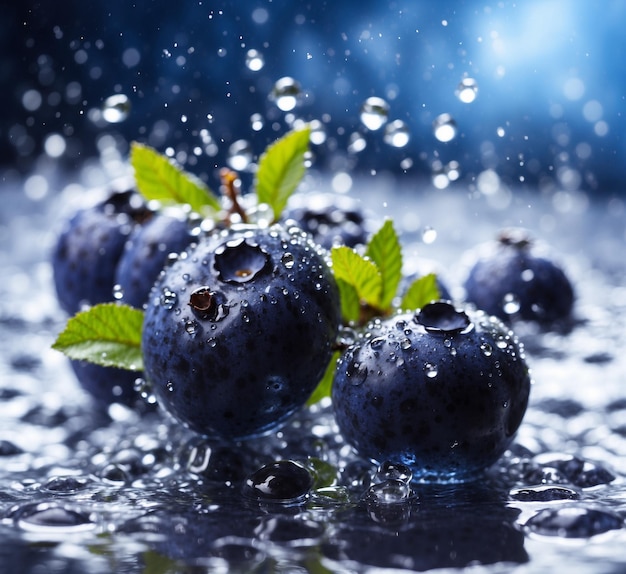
column 442, row 391
column 89, row 248
column 330, row 218
column 511, row 278
column 146, row 253
column 239, row 330
column 106, row 385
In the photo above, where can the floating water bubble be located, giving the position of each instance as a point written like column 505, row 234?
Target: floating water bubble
column 444, row 128
column 257, row 122
column 397, row 134
column 374, row 113
column 116, row 108
column 510, row 304
column 357, row 143
column 254, row 60
column 240, row 155
column 467, row 90
column 318, row 132
column 286, row 93
column 429, row 235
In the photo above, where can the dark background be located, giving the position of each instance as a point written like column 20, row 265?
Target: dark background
column 551, row 78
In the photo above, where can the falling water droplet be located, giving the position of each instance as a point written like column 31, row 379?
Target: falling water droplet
column 444, row 128
column 240, row 155
column 467, row 90
column 286, row 93
column 397, row 134
column 116, row 108
column 429, row 234
column 374, row 113
column 254, row 60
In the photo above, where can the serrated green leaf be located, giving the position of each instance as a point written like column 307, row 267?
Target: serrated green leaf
column 107, row 334
column 421, row 292
column 350, row 304
column 281, row 168
column 158, row 178
column 325, row 386
column 384, row 249
column 358, row 271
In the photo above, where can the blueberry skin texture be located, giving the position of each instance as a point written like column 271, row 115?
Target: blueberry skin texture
column 442, row 391
column 330, row 218
column 238, row 331
column 512, row 280
column 145, row 254
column 88, row 249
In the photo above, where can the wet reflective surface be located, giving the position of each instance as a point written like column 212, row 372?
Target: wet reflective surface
column 100, row 492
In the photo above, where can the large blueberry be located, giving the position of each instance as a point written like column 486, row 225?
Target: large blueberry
column 442, row 391
column 511, row 278
column 146, row 253
column 89, row 247
column 240, row 329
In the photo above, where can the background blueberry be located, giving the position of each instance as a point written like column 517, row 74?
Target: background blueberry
column 88, row 249
column 331, row 219
column 145, row 254
column 442, row 391
column 238, row 331
column 511, row 278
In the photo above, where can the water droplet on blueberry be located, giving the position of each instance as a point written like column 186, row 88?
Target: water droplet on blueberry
column 442, row 317
column 239, row 262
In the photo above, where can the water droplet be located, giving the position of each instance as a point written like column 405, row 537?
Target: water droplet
column 388, row 492
column 240, row 155
column 510, row 304
column 442, row 317
column 257, row 122
column 429, row 235
column 528, row 275
column 254, row 60
column 168, row 298
column 467, row 90
column 191, row 327
column 397, row 134
column 394, row 471
column 116, row 108
column 286, row 93
column 486, row 349
column 169, row 386
column 239, row 261
column 118, row 292
column 431, row 370
column 288, row 260
column 356, row 372
column 52, row 517
column 377, row 343
column 405, row 344
column 374, row 113
column 284, row 481
column 444, row 128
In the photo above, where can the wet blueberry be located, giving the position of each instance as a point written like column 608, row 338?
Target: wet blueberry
column 512, row 278
column 238, row 332
column 282, row 481
column 442, row 391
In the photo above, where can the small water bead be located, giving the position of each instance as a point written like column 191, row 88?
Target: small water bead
column 429, row 235
column 467, row 90
column 397, row 134
column 66, row 484
column 393, row 471
column 288, row 260
column 318, row 132
column 486, row 349
column 52, row 517
column 240, row 155
column 116, row 108
column 543, row 493
column 431, row 370
column 257, row 122
column 114, row 474
column 510, row 304
column 286, row 93
column 191, row 327
column 573, row 522
column 254, row 60
column 444, row 128
column 390, row 491
column 377, row 343
column 374, row 113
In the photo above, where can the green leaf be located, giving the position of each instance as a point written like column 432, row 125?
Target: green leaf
column 281, row 168
column 158, row 178
column 350, row 304
column 358, row 271
column 421, row 292
column 384, row 249
column 107, row 334
column 325, row 386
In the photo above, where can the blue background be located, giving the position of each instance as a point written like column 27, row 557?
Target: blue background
column 550, row 74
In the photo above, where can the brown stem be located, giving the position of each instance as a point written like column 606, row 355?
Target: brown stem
column 230, row 188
